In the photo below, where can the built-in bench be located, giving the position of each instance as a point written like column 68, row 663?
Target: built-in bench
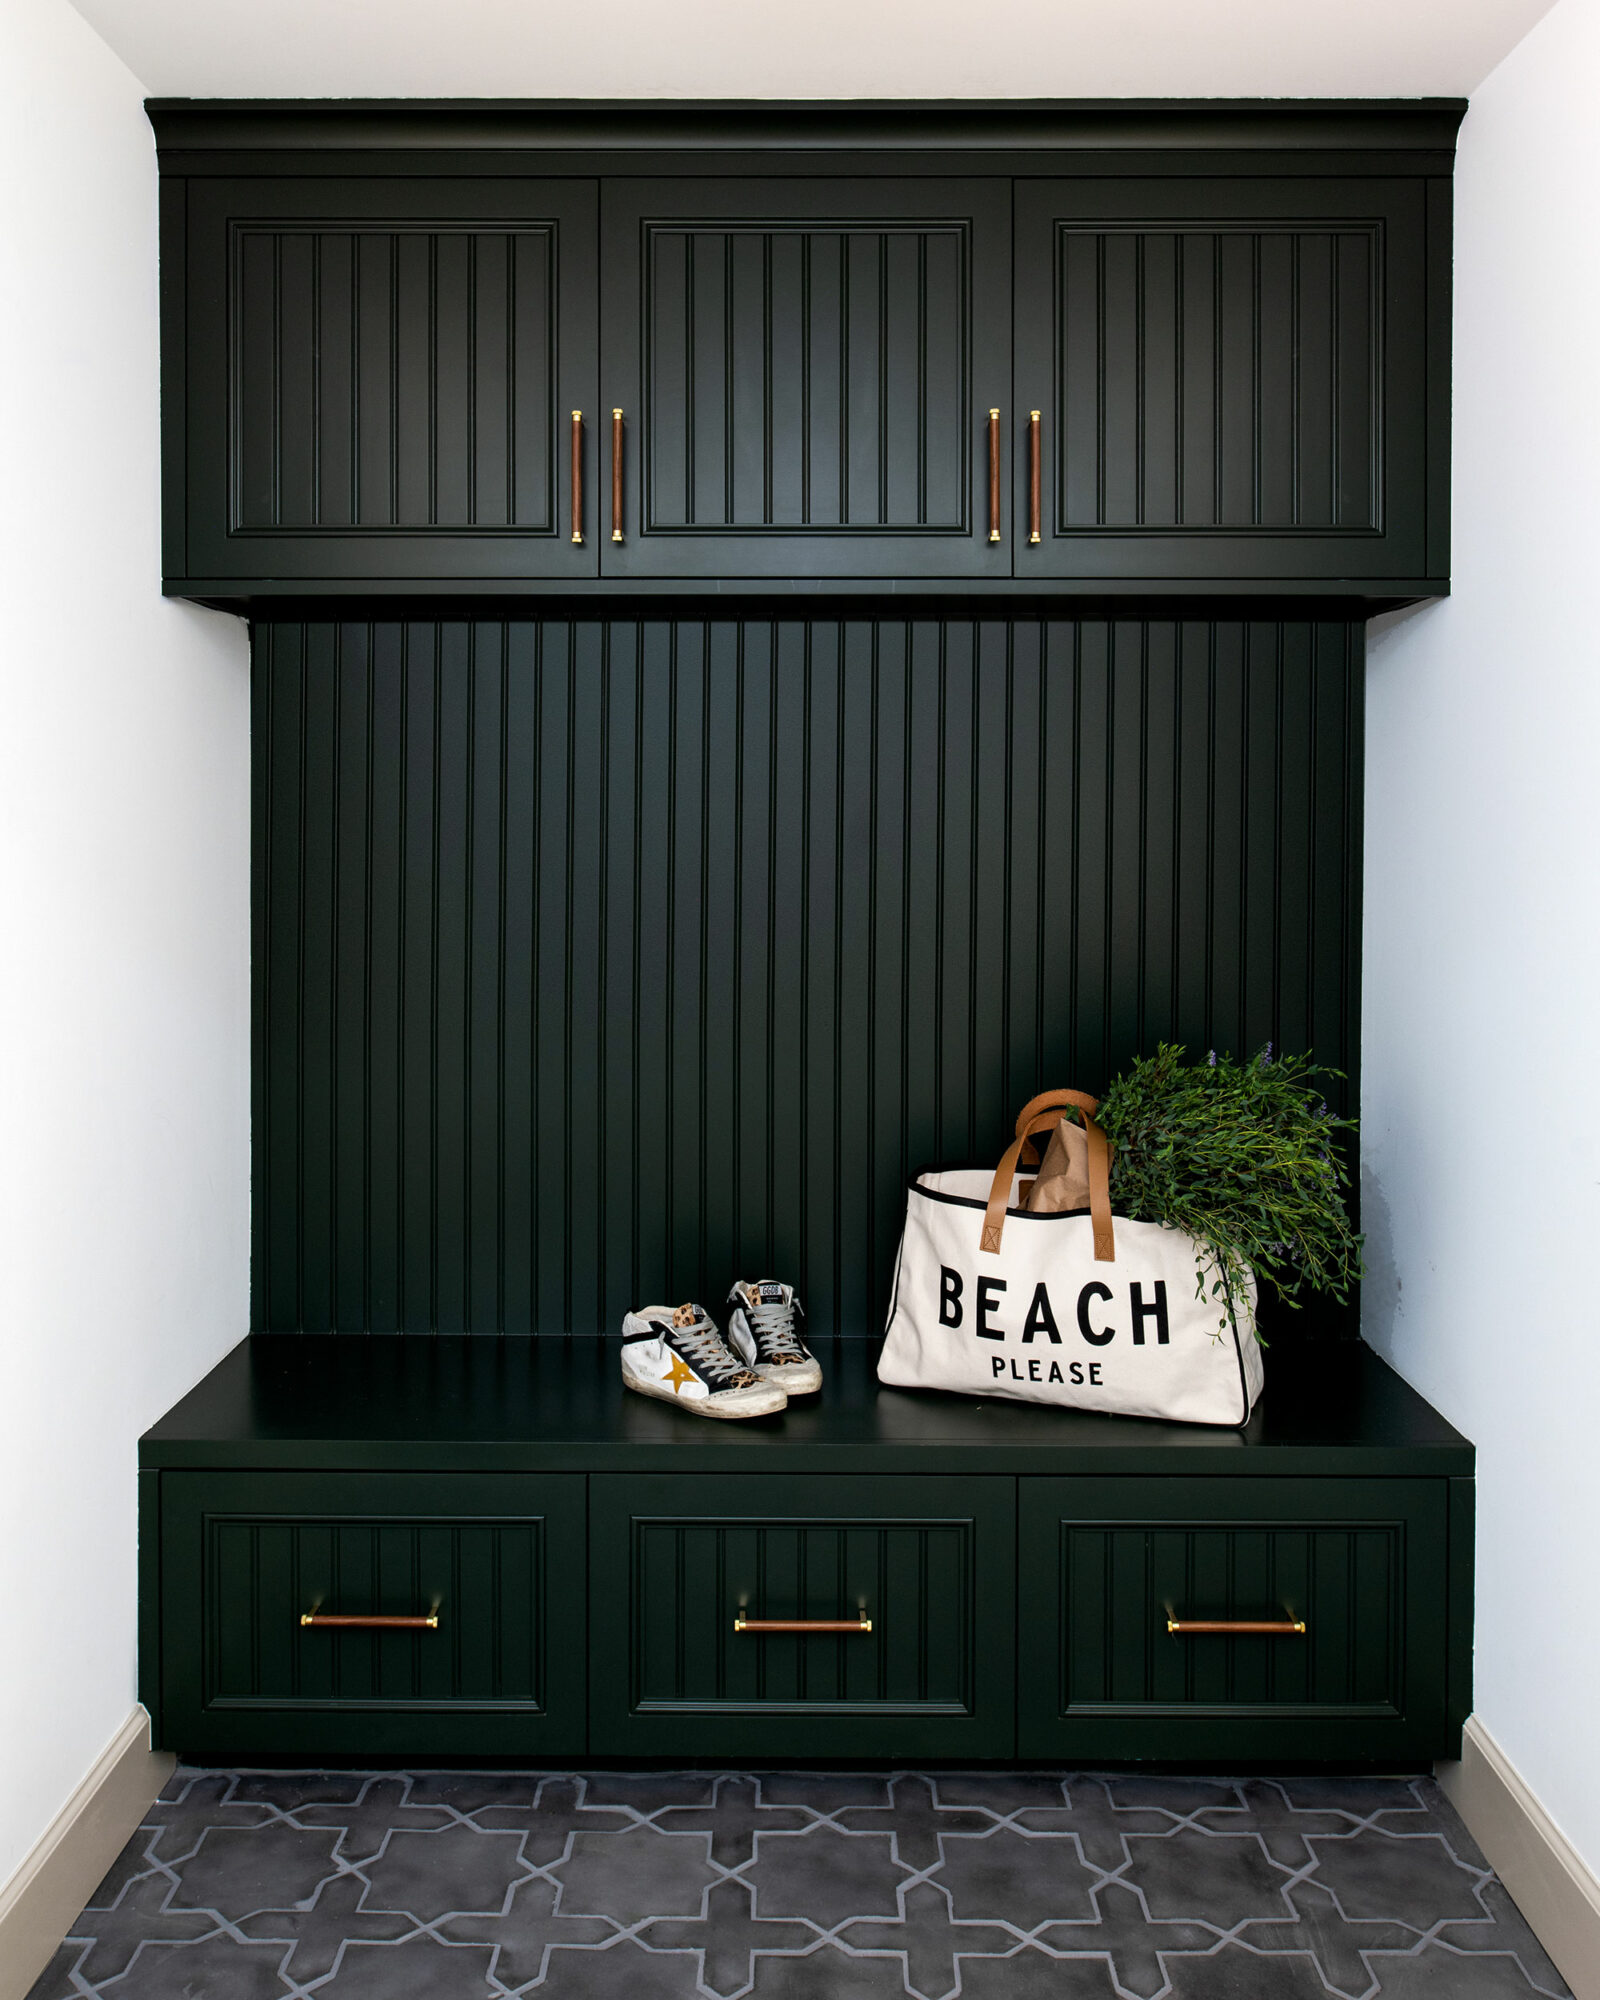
column 530, row 1562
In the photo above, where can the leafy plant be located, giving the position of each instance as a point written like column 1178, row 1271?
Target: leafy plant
column 1243, row 1157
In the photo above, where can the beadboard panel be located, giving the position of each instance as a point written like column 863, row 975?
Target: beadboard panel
column 393, row 378
column 1219, row 379
column 600, row 962
column 851, row 341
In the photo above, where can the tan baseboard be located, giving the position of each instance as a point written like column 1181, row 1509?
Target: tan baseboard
column 1550, row 1882
column 39, row 1903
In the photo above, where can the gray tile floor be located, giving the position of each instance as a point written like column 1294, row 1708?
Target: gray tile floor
column 253, row 1885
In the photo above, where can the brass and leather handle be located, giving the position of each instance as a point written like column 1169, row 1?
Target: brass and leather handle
column 1043, row 1114
column 616, row 475
column 425, row 1621
column 743, row 1624
column 994, row 475
column 1035, row 477
column 1283, row 1628
column 577, row 475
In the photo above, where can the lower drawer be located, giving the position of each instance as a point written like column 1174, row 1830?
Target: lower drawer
column 683, row 1567
column 248, row 1558
column 1352, row 1573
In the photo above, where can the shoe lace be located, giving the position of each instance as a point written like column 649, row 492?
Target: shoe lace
column 772, row 1323
column 711, row 1355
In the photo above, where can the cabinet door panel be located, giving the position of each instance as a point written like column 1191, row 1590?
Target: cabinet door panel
column 676, row 1561
column 381, row 376
column 1358, row 1564
column 805, row 370
column 246, row 1556
column 1230, row 376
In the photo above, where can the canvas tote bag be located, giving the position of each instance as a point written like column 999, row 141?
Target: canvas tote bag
column 1082, row 1308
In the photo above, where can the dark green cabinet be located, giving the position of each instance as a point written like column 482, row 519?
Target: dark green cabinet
column 806, row 369
column 376, row 329
column 1355, row 1574
column 612, row 1579
column 379, row 377
column 1230, row 375
column 680, row 1568
column 247, row 1558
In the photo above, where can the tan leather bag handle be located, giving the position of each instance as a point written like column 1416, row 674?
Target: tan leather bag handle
column 1043, row 1114
column 1065, row 1100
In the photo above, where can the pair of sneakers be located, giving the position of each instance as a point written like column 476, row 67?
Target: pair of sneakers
column 677, row 1353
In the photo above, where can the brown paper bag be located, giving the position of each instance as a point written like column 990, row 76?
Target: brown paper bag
column 1063, row 1181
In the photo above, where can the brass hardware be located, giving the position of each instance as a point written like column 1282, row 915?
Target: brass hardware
column 994, row 475
column 743, row 1624
column 616, row 475
column 577, row 475
column 1035, row 477
column 376, row 1622
column 1286, row 1628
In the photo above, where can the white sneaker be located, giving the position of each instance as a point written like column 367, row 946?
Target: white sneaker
column 678, row 1355
column 761, row 1332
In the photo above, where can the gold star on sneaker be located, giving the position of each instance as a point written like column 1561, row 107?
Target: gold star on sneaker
column 678, row 1374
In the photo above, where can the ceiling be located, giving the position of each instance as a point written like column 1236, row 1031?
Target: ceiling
column 811, row 48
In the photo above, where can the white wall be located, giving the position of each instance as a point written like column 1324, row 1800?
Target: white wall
column 124, row 776
column 1481, row 1093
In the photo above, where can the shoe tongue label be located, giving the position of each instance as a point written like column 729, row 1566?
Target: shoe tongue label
column 685, row 1316
column 767, row 1294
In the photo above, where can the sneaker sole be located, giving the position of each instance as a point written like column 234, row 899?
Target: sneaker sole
column 706, row 1406
column 804, row 1379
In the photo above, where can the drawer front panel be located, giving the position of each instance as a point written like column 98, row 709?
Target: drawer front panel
column 679, row 1562
column 248, row 1557
column 1360, row 1565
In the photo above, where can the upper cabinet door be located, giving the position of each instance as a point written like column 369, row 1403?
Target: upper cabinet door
column 1231, row 377
column 805, row 370
column 380, row 376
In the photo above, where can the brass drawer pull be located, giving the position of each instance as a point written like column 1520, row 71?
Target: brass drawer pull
column 1283, row 1628
column 1035, row 478
column 577, row 476
column 616, row 475
column 314, row 1619
column 994, row 475
column 743, row 1624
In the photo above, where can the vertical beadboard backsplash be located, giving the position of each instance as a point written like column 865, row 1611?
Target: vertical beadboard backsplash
column 599, row 962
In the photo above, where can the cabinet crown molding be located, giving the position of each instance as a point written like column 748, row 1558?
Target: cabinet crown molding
column 198, row 128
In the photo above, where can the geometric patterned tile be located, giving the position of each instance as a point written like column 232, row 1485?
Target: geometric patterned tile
column 1224, row 1876
column 420, row 1968
column 431, row 1875
column 1437, row 1973
column 634, row 1875
column 239, row 1870
column 914, row 1815
column 728, row 1938
column 1122, row 1936
column 1024, row 1879
column 733, row 1816
column 827, row 1874
column 933, row 1944
column 349, row 1885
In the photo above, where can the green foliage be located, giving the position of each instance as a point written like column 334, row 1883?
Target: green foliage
column 1241, row 1156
